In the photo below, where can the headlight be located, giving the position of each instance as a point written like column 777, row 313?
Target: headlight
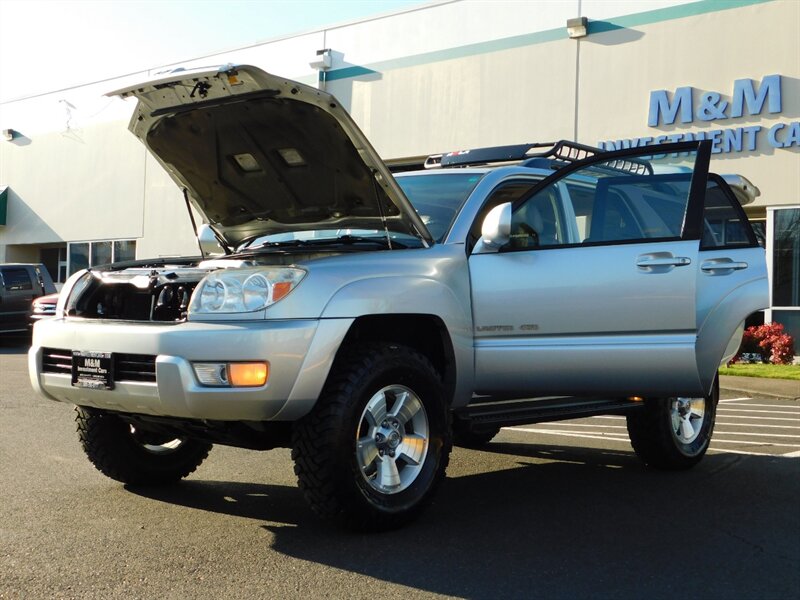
column 243, row 290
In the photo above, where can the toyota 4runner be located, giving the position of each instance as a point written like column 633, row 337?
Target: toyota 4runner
column 368, row 319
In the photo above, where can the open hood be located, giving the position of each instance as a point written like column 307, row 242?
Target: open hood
column 261, row 155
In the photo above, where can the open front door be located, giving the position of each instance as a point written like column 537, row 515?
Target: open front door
column 595, row 292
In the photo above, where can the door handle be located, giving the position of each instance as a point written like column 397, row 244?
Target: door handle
column 722, row 264
column 663, row 261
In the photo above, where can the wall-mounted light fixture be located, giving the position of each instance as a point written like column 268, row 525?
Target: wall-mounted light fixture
column 322, row 62
column 8, row 134
column 577, row 27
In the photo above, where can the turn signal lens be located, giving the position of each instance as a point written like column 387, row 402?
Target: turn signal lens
column 280, row 289
column 248, row 374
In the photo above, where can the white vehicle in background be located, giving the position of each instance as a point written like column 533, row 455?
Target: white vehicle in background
column 367, row 320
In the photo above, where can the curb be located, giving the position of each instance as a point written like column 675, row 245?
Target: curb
column 751, row 392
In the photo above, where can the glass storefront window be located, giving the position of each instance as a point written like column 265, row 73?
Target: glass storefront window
column 101, row 253
column 92, row 254
column 786, row 258
column 124, row 250
column 78, row 257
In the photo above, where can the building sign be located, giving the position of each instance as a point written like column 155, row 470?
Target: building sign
column 687, row 106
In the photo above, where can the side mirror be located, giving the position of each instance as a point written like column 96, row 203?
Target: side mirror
column 496, row 229
column 208, row 241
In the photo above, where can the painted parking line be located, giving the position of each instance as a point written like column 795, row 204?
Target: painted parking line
column 753, row 410
column 615, row 436
column 792, row 420
column 759, row 426
column 576, row 434
column 789, row 406
column 764, row 430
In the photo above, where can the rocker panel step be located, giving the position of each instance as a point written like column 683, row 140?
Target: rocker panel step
column 539, row 410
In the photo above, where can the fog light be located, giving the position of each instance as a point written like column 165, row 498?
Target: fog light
column 212, row 373
column 248, row 374
column 237, row 374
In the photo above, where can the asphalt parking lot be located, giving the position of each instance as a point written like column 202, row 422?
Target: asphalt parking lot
column 558, row 510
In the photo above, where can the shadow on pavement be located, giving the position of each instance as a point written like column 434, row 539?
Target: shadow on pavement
column 14, row 343
column 586, row 522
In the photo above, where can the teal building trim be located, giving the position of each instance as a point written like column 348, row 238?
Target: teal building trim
column 649, row 17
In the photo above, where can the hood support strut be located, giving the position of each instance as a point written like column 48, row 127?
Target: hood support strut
column 196, row 232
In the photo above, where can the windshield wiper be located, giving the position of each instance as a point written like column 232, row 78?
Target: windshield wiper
column 283, row 244
column 380, row 241
column 346, row 240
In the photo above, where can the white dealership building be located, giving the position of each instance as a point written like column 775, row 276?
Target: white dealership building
column 76, row 188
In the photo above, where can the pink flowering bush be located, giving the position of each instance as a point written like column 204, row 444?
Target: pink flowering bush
column 768, row 341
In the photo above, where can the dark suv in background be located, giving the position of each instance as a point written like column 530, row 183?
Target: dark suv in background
column 19, row 285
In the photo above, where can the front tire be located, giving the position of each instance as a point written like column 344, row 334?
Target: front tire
column 134, row 457
column 674, row 433
column 376, row 444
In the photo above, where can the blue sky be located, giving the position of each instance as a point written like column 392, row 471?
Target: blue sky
column 51, row 44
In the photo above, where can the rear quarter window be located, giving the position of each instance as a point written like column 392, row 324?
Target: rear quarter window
column 16, row 280
column 724, row 222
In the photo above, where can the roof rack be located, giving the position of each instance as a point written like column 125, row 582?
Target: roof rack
column 557, row 155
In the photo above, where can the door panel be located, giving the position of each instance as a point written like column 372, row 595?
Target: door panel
column 586, row 320
column 606, row 302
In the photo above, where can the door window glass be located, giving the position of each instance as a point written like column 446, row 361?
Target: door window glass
column 600, row 204
column 539, row 222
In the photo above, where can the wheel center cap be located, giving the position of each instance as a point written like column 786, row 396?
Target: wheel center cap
column 394, row 439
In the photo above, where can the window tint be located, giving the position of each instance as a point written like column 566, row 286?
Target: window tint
column 723, row 225
column 16, row 280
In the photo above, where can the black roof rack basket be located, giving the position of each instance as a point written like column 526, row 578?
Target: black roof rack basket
column 555, row 156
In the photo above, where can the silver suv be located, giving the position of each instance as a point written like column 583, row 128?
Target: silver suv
column 368, row 320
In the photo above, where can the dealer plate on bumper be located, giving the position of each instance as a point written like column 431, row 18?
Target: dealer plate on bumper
column 94, row 370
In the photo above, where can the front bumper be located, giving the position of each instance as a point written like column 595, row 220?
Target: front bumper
column 300, row 353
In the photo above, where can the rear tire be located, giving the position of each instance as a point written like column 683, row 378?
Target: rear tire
column 377, row 442
column 122, row 453
column 674, row 433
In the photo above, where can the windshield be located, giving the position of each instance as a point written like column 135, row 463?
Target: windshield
column 438, row 197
